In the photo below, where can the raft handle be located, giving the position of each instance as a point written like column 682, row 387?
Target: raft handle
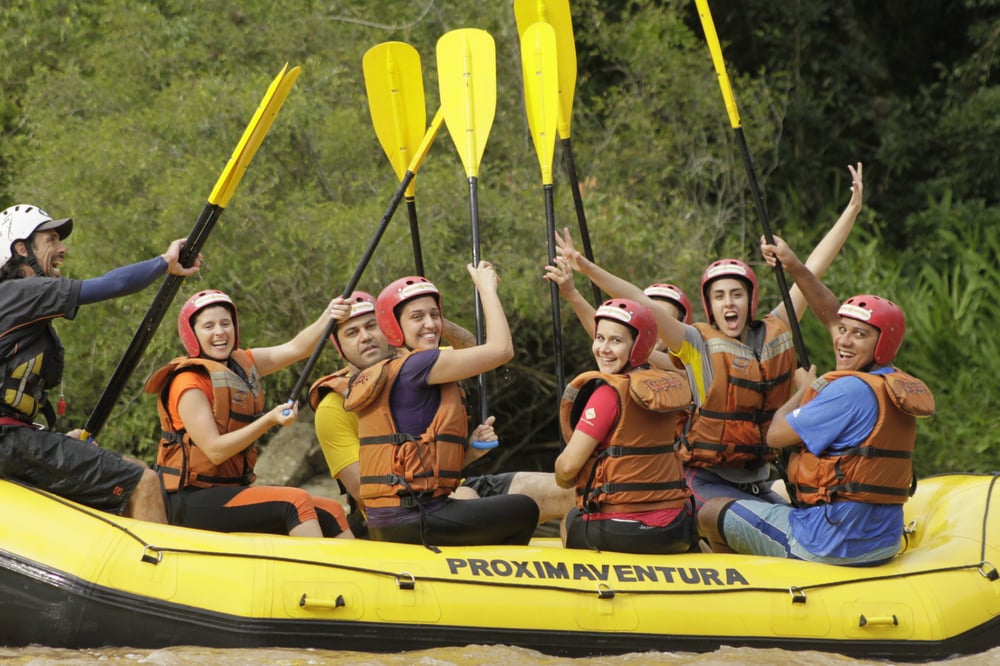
column 339, row 602
column 152, row 555
column 406, row 584
column 605, row 592
column 798, row 595
column 989, row 571
column 911, row 527
column 879, row 621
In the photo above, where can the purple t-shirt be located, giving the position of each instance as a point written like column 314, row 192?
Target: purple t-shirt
column 413, row 401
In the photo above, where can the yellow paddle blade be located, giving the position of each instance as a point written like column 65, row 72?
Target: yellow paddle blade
column 541, row 91
column 253, row 136
column 557, row 14
column 467, row 78
column 708, row 25
column 394, row 84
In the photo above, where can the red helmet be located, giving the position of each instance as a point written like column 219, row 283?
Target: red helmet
column 395, row 294
column 638, row 318
column 663, row 291
column 884, row 315
column 193, row 306
column 362, row 303
column 729, row 268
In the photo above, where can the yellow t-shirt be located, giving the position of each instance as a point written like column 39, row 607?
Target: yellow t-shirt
column 337, row 431
column 692, row 361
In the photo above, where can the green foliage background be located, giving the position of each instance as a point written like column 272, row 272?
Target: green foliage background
column 122, row 113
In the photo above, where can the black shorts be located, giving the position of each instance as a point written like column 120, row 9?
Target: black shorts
column 630, row 536
column 489, row 485
column 499, row 520
column 68, row 467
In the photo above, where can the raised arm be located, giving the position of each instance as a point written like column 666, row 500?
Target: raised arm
column 671, row 330
column 826, row 250
column 453, row 365
column 272, row 359
column 821, row 300
column 560, row 273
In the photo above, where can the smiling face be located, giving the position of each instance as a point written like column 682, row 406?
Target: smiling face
column 729, row 299
column 612, row 346
column 216, row 332
column 49, row 251
column 421, row 323
column 854, row 344
column 362, row 342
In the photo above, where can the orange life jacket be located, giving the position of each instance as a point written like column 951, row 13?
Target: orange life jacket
column 396, row 467
column 730, row 427
column 638, row 470
column 235, row 403
column 880, row 469
column 336, row 382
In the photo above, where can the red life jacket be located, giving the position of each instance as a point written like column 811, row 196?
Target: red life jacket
column 235, row 403
column 730, row 427
column 879, row 470
column 397, row 467
column 638, row 470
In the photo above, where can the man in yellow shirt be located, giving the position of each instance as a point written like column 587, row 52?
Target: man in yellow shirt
column 362, row 344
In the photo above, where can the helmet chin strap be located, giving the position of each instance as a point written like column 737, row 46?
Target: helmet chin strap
column 31, row 260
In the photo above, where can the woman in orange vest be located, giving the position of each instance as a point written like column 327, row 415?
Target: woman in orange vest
column 618, row 423
column 413, row 424
column 211, row 408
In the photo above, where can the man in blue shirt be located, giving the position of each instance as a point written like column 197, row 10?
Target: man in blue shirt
column 854, row 432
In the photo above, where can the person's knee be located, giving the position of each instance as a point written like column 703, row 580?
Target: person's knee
column 464, row 493
column 145, row 502
column 710, row 518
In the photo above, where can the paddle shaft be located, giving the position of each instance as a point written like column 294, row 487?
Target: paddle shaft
column 581, row 216
column 484, row 410
column 719, row 63
column 352, row 284
column 418, row 254
column 154, row 315
column 779, row 274
column 550, row 229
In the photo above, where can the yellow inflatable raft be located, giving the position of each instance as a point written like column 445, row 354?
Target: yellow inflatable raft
column 74, row 577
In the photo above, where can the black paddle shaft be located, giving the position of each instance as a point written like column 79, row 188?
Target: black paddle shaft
column 786, row 298
column 164, row 297
column 484, row 409
column 550, row 231
column 352, row 284
column 581, row 216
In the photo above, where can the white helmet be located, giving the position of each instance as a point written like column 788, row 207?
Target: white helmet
column 17, row 223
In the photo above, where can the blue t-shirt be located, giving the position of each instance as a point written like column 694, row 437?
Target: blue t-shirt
column 842, row 415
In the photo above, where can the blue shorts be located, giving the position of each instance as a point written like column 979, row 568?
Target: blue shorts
column 760, row 528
